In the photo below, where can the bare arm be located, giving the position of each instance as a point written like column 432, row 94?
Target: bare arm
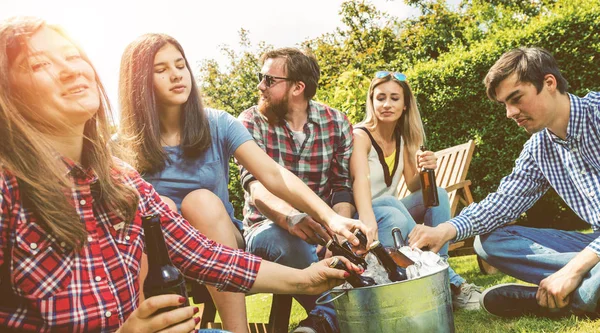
column 361, row 183
column 290, row 192
column 313, row 280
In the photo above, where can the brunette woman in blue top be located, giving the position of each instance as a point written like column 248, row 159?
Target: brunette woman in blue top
column 183, row 150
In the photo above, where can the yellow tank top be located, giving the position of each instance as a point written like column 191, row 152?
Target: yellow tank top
column 389, row 160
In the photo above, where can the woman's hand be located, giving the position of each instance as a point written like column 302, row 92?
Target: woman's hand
column 371, row 228
column 426, row 159
column 320, row 277
column 345, row 227
column 143, row 319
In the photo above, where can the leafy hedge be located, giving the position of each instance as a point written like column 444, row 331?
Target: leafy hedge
column 455, row 108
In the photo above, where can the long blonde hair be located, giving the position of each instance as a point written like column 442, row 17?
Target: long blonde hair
column 409, row 126
column 27, row 154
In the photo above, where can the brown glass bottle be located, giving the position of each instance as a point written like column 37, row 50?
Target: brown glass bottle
column 354, row 279
column 428, row 186
column 338, row 250
column 399, row 258
column 395, row 272
column 163, row 277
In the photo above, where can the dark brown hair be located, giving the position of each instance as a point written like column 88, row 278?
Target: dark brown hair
column 530, row 65
column 140, row 125
column 300, row 66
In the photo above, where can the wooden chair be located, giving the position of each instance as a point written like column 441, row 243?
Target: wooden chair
column 451, row 174
column 279, row 317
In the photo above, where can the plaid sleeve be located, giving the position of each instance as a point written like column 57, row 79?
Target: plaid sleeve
column 516, row 193
column 198, row 257
column 340, row 165
column 248, row 120
column 4, row 217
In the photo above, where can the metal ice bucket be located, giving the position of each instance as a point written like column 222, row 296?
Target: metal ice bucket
column 423, row 305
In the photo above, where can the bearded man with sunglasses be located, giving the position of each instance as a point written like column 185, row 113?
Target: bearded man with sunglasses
column 563, row 153
column 314, row 142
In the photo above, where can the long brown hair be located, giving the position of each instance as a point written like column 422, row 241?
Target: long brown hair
column 140, row 125
column 27, row 154
column 409, row 126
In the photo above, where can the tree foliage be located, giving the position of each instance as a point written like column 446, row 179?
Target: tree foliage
column 445, row 53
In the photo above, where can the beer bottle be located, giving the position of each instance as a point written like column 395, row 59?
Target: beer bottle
column 354, row 279
column 338, row 250
column 428, row 186
column 395, row 273
column 362, row 238
column 346, row 245
column 163, row 277
column 398, row 239
column 399, row 258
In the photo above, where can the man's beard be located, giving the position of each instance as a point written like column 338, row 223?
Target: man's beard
column 275, row 112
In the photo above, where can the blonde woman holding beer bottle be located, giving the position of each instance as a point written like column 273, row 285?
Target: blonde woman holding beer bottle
column 71, row 235
column 386, row 147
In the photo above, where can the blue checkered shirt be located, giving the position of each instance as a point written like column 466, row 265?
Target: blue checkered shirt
column 571, row 167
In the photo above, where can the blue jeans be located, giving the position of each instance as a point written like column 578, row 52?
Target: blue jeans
column 531, row 255
column 412, row 208
column 268, row 241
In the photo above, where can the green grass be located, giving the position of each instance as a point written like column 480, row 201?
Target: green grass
column 465, row 321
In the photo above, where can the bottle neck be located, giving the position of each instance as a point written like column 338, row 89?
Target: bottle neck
column 156, row 249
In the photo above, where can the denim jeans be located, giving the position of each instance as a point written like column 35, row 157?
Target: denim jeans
column 387, row 209
column 271, row 242
column 531, row 255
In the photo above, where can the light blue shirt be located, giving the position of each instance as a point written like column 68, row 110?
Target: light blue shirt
column 571, row 167
column 209, row 171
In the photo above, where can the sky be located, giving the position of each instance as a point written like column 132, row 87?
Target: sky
column 104, row 28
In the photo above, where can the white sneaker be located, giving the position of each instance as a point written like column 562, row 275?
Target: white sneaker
column 468, row 297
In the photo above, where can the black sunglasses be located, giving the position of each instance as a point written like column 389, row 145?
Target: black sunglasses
column 269, row 79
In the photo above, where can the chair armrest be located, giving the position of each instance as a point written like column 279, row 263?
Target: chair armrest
column 456, row 186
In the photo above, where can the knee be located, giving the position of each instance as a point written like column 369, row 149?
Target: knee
column 170, row 203
column 486, row 246
column 202, row 203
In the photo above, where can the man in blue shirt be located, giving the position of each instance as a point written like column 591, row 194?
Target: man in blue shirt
column 563, row 153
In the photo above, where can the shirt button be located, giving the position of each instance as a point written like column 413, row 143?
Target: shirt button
column 62, row 244
column 82, row 202
column 127, row 237
column 98, row 279
column 591, row 194
column 90, row 238
column 107, row 314
column 33, row 246
column 583, row 172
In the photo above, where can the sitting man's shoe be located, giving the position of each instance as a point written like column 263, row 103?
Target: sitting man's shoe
column 515, row 300
column 466, row 297
column 313, row 324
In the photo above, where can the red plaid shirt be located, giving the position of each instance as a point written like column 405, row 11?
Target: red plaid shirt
column 52, row 288
column 322, row 161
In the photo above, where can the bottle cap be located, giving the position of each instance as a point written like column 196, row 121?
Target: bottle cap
column 375, row 244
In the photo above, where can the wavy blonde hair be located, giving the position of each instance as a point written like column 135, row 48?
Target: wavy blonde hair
column 27, row 154
column 409, row 126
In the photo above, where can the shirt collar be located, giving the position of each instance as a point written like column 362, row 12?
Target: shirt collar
column 77, row 171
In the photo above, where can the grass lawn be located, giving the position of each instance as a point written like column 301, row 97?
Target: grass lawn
column 465, row 321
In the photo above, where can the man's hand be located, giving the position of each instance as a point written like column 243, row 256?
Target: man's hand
column 554, row 291
column 309, row 230
column 143, row 319
column 434, row 238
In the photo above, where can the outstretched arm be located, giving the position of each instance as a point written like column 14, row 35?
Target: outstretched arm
column 285, row 185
